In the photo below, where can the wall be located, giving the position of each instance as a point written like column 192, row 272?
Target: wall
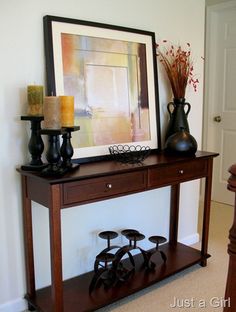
column 21, row 63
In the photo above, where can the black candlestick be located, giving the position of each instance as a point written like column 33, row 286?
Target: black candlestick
column 67, row 148
column 35, row 144
column 53, row 155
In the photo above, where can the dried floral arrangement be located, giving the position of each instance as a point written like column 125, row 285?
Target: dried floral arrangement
column 178, row 64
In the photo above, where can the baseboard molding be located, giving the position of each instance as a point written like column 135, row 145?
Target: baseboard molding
column 18, row 305
column 190, row 240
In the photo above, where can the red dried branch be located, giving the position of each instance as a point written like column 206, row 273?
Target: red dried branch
column 178, row 65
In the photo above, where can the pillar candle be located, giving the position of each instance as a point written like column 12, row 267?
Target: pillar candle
column 52, row 112
column 35, row 100
column 67, row 111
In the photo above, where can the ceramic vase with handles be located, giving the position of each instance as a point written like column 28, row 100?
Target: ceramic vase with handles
column 178, row 116
column 181, row 143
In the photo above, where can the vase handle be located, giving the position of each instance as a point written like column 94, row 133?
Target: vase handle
column 188, row 109
column 169, row 107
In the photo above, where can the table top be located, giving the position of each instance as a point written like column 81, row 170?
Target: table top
column 107, row 167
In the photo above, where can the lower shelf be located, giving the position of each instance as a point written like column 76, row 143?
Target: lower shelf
column 76, row 295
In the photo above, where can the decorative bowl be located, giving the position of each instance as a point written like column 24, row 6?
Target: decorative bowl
column 129, row 153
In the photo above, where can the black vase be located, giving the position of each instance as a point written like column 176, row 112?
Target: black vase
column 178, row 116
column 181, row 143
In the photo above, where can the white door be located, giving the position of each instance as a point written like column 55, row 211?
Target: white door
column 220, row 119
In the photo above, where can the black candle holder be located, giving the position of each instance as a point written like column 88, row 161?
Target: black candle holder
column 158, row 240
column 67, row 148
column 35, row 144
column 109, row 269
column 53, row 154
column 59, row 158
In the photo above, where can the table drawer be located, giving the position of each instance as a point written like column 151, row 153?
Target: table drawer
column 193, row 169
column 103, row 187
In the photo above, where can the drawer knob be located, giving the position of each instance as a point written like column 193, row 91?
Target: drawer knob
column 181, row 171
column 109, row 185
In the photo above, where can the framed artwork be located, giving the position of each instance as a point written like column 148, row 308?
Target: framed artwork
column 112, row 73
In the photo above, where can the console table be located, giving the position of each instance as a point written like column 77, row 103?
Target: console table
column 99, row 181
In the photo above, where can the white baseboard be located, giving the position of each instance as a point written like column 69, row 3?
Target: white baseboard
column 190, row 240
column 17, row 305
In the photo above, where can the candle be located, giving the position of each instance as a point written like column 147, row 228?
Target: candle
column 35, row 100
column 52, row 112
column 67, row 111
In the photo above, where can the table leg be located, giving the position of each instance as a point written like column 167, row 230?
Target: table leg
column 174, row 214
column 28, row 240
column 55, row 244
column 206, row 213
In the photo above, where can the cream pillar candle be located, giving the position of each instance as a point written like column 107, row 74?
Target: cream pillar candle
column 35, row 100
column 67, row 111
column 52, row 112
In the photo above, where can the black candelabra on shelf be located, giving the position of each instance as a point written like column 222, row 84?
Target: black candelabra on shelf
column 35, row 144
column 109, row 269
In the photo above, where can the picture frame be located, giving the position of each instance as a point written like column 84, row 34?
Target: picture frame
column 112, row 73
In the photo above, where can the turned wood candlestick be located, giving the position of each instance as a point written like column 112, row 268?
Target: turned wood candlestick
column 35, row 144
column 230, row 293
column 67, row 150
column 59, row 158
column 53, row 155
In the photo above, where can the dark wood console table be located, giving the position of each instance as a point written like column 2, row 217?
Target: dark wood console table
column 99, row 181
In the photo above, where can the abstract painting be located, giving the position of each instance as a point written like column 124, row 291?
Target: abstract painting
column 111, row 72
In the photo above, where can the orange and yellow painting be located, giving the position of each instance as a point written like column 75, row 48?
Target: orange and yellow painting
column 108, row 79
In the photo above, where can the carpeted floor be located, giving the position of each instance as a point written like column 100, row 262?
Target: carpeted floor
column 203, row 288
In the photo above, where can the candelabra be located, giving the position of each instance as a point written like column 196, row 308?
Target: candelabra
column 109, row 269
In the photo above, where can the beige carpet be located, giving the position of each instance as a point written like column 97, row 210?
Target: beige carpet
column 198, row 285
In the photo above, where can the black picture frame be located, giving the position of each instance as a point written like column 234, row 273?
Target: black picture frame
column 77, row 54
